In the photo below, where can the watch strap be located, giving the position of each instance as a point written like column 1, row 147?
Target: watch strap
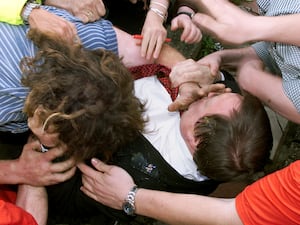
column 189, row 14
column 130, row 201
column 29, row 6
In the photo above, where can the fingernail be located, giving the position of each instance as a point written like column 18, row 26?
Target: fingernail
column 95, row 161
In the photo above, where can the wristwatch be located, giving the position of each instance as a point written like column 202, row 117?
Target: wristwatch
column 128, row 205
column 30, row 5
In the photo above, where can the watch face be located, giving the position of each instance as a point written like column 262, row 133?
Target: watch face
column 128, row 208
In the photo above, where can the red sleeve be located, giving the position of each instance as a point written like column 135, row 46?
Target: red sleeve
column 274, row 199
column 10, row 214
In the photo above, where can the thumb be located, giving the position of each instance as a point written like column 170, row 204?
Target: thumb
column 99, row 165
column 178, row 104
column 174, row 106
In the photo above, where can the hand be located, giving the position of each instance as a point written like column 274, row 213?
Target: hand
column 213, row 61
column 49, row 23
column 222, row 19
column 86, row 10
column 35, row 201
column 36, row 168
column 191, row 33
column 106, row 184
column 154, row 35
column 191, row 71
column 191, row 92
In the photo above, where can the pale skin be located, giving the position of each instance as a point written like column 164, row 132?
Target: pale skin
column 194, row 81
column 252, row 77
column 28, row 194
column 111, row 184
column 189, row 91
column 26, row 170
column 213, row 20
column 86, row 10
column 154, row 33
column 214, row 103
column 34, row 200
column 266, row 86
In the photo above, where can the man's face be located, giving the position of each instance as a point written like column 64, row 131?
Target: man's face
column 214, row 103
column 47, row 139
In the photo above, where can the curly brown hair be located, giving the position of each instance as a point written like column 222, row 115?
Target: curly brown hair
column 236, row 147
column 87, row 97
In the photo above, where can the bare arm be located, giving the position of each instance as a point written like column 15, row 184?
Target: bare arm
column 222, row 19
column 46, row 22
column 33, row 200
column 36, row 168
column 110, row 185
column 86, row 10
column 172, row 208
column 129, row 49
column 267, row 87
column 253, row 78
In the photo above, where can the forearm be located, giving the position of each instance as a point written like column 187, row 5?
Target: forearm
column 9, row 172
column 172, row 208
column 34, row 200
column 169, row 56
column 285, row 29
column 232, row 58
column 270, row 90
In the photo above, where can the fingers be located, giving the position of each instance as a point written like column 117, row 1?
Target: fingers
column 177, row 105
column 97, row 164
column 206, row 24
column 152, row 45
column 59, row 167
column 88, row 16
column 69, row 32
column 55, row 153
column 61, row 176
column 191, row 33
column 100, row 9
column 48, row 23
column 154, row 35
column 190, row 71
column 190, row 92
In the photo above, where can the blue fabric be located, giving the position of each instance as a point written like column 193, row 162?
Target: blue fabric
column 282, row 59
column 14, row 45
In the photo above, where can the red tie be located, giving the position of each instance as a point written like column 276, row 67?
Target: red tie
column 160, row 71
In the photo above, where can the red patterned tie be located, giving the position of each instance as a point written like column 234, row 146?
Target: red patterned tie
column 160, row 71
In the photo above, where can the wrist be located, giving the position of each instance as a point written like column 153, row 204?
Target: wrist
column 189, row 14
column 129, row 203
column 160, row 8
column 159, row 13
column 27, row 10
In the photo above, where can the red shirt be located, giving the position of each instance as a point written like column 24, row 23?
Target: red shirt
column 272, row 200
column 10, row 214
